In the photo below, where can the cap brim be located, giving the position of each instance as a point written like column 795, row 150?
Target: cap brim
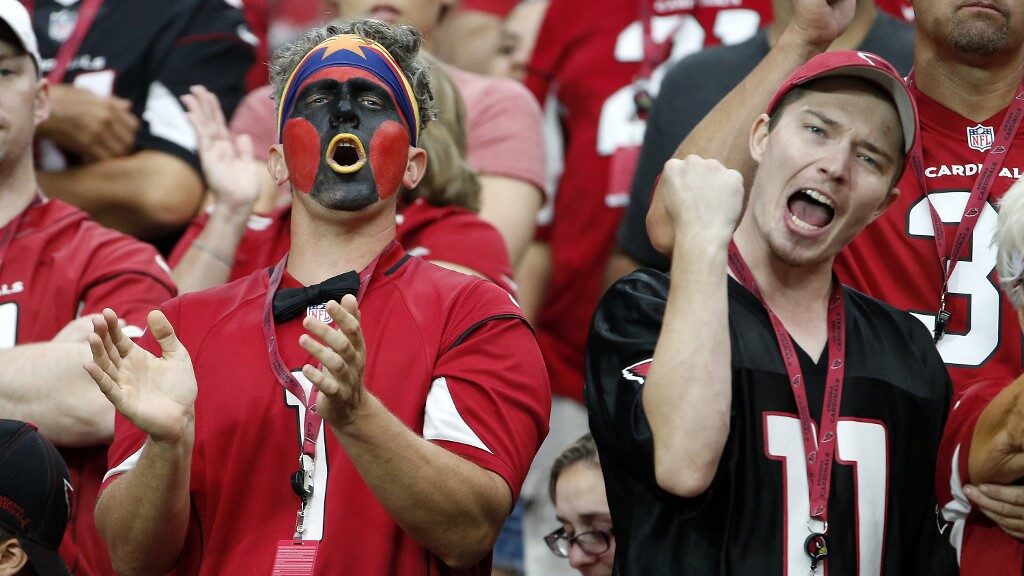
column 45, row 561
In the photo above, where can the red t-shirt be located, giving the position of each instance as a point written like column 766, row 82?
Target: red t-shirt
column 442, row 233
column 60, row 266
column 447, row 354
column 895, row 258
column 982, row 546
column 587, row 55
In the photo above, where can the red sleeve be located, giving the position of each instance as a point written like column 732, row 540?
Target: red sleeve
column 490, row 400
column 951, row 471
column 547, row 52
column 466, row 240
column 129, row 277
column 126, row 448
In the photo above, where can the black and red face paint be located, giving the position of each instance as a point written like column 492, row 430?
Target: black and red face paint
column 345, row 140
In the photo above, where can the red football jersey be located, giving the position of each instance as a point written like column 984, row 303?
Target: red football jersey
column 982, row 546
column 448, row 354
column 590, row 66
column 895, row 258
column 443, row 233
column 60, row 266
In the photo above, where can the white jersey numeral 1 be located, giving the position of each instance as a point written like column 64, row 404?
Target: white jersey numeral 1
column 862, row 445
column 315, row 510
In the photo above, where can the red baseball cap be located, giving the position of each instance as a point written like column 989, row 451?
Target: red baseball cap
column 858, row 64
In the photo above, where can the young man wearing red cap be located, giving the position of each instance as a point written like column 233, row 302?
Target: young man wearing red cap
column 932, row 253
column 755, row 416
column 387, row 434
column 35, row 502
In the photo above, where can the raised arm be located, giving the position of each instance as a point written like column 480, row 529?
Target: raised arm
column 722, row 135
column 143, row 514
column 687, row 396
column 234, row 180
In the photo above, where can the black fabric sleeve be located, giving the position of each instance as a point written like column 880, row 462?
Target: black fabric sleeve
column 213, row 48
column 622, row 337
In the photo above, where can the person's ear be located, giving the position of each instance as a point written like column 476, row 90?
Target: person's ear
column 276, row 165
column 12, row 557
column 415, row 167
column 759, row 137
column 890, row 197
column 42, row 102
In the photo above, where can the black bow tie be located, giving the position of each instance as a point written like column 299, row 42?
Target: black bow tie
column 291, row 302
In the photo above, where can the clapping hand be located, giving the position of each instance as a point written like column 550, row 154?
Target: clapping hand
column 156, row 394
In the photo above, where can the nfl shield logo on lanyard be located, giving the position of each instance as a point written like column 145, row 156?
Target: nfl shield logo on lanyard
column 980, row 137
column 62, row 24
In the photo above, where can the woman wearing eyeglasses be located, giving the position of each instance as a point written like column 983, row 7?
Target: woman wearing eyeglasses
column 577, row 490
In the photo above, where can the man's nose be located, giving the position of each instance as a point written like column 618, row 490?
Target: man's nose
column 344, row 114
column 835, row 162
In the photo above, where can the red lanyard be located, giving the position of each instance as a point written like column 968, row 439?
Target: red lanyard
column 819, row 451
column 979, row 196
column 8, row 232
column 86, row 14
column 303, row 478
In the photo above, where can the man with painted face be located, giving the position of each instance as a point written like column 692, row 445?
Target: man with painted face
column 430, row 381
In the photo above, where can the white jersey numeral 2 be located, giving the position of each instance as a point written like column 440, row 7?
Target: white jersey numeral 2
column 315, row 510
column 862, row 445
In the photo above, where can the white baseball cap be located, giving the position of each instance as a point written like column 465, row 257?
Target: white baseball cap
column 15, row 16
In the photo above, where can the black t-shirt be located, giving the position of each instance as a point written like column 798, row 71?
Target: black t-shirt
column 692, row 87
column 151, row 53
column 882, row 505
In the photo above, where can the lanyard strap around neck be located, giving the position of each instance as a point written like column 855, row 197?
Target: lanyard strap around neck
column 819, row 451
column 86, row 15
column 975, row 203
column 8, row 232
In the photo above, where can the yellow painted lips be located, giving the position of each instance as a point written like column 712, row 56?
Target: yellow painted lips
column 345, row 154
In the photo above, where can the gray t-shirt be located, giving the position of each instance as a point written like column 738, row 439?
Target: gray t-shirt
column 693, row 87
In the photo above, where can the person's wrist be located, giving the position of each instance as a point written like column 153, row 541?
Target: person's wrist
column 800, row 45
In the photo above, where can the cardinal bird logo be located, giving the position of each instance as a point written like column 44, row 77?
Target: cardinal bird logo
column 637, row 372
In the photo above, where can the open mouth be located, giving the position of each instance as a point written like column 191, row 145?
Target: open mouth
column 810, row 210
column 345, row 154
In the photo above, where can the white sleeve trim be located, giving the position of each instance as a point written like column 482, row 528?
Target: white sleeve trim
column 442, row 420
column 126, row 465
column 167, row 118
column 956, row 510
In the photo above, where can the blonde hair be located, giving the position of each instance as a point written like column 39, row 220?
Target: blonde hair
column 449, row 180
column 1009, row 240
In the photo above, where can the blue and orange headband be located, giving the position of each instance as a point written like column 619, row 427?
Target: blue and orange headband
column 350, row 50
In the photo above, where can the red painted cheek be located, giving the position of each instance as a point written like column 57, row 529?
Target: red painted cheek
column 301, row 153
column 389, row 153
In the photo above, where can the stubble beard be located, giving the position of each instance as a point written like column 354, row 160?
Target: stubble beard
column 977, row 38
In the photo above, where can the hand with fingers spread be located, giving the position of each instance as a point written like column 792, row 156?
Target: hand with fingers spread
column 230, row 170
column 156, row 394
column 342, row 353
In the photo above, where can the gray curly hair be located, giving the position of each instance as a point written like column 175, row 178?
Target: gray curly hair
column 1009, row 240
column 402, row 42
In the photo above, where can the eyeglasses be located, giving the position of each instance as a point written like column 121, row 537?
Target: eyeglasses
column 594, row 542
